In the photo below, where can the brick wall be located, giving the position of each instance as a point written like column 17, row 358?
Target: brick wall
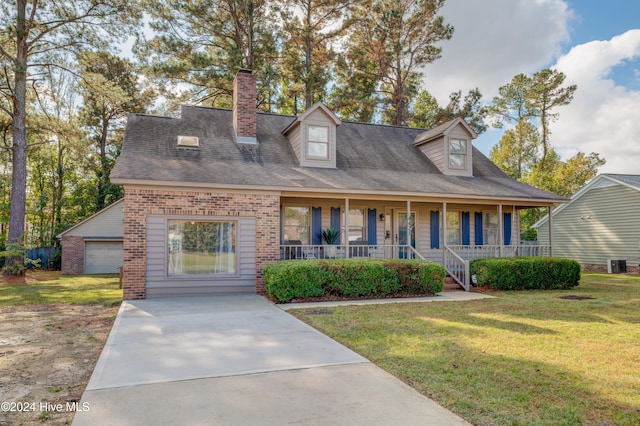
column 244, row 104
column 142, row 202
column 72, row 254
column 602, row 268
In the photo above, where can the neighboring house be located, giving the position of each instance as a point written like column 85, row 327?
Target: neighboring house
column 601, row 223
column 94, row 246
column 214, row 196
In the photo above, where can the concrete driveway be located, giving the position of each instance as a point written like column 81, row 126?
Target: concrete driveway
column 239, row 360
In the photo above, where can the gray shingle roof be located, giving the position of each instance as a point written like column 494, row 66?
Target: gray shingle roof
column 632, row 180
column 369, row 158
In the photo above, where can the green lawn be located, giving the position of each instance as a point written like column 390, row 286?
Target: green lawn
column 523, row 358
column 44, row 288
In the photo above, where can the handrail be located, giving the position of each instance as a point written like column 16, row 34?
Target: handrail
column 415, row 253
column 310, row 251
column 457, row 267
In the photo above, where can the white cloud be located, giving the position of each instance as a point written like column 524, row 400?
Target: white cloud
column 604, row 116
column 495, row 40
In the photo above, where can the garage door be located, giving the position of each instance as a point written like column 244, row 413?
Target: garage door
column 102, row 257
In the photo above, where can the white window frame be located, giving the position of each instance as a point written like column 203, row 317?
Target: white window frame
column 458, row 229
column 456, row 154
column 310, row 141
column 309, row 224
column 236, row 228
column 365, row 220
column 485, row 228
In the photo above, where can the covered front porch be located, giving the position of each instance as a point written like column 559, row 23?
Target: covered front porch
column 448, row 231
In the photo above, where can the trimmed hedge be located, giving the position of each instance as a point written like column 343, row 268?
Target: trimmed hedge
column 351, row 278
column 526, row 273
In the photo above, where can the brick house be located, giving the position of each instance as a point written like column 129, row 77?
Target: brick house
column 215, row 195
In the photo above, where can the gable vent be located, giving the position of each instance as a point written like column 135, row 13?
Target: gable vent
column 190, row 141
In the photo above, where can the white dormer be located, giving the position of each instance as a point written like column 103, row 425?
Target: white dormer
column 449, row 147
column 313, row 136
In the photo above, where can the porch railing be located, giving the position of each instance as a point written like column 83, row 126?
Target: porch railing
column 482, row 252
column 297, row 251
column 457, row 267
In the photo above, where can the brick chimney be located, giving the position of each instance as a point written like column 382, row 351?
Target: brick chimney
column 244, row 106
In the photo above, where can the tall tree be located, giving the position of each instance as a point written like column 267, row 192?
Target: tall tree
column 513, row 102
column 34, row 36
column 395, row 39
column 201, row 44
column 516, row 152
column 546, row 94
column 110, row 91
column 426, row 112
column 525, row 152
column 310, row 26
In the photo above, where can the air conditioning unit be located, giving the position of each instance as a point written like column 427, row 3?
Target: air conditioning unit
column 617, row 266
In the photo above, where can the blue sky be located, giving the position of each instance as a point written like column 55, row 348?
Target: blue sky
column 596, row 43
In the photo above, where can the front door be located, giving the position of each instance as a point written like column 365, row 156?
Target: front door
column 396, row 232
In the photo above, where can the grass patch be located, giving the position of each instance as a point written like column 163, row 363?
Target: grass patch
column 523, row 358
column 43, row 288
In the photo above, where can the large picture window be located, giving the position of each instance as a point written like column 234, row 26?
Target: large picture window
column 201, row 248
column 296, row 225
column 318, row 143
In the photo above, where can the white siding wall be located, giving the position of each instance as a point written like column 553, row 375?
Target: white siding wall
column 158, row 284
column 612, row 230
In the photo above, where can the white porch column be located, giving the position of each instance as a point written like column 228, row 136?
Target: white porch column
column 444, row 229
column 408, row 226
column 346, row 227
column 550, row 232
column 500, row 230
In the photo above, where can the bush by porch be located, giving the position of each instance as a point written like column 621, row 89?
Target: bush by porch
column 351, row 278
column 526, row 273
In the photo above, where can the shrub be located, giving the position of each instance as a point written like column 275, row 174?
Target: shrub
column 291, row 279
column 526, row 273
column 299, row 279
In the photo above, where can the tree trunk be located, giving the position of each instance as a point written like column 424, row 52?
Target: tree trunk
column 19, row 147
column 308, row 90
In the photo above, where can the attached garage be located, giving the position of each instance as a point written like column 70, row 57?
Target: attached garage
column 94, row 246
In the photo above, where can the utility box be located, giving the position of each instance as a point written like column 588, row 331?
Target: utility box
column 617, row 266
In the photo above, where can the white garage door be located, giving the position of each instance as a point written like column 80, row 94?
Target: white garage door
column 102, row 257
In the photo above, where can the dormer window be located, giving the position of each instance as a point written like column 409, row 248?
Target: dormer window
column 448, row 146
column 313, row 137
column 318, row 141
column 457, row 153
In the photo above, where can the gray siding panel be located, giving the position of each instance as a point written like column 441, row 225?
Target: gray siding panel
column 107, row 223
column 602, row 224
column 159, row 285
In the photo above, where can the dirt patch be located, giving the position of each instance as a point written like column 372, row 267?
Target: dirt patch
column 574, row 297
column 47, row 355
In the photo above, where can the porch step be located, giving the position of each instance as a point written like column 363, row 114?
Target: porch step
column 451, row 285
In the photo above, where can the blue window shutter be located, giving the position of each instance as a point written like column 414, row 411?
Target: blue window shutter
column 316, row 226
column 507, row 229
column 435, row 229
column 372, row 234
column 466, row 228
column 335, row 220
column 479, row 230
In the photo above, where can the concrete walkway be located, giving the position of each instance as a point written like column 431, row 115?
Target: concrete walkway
column 239, row 360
